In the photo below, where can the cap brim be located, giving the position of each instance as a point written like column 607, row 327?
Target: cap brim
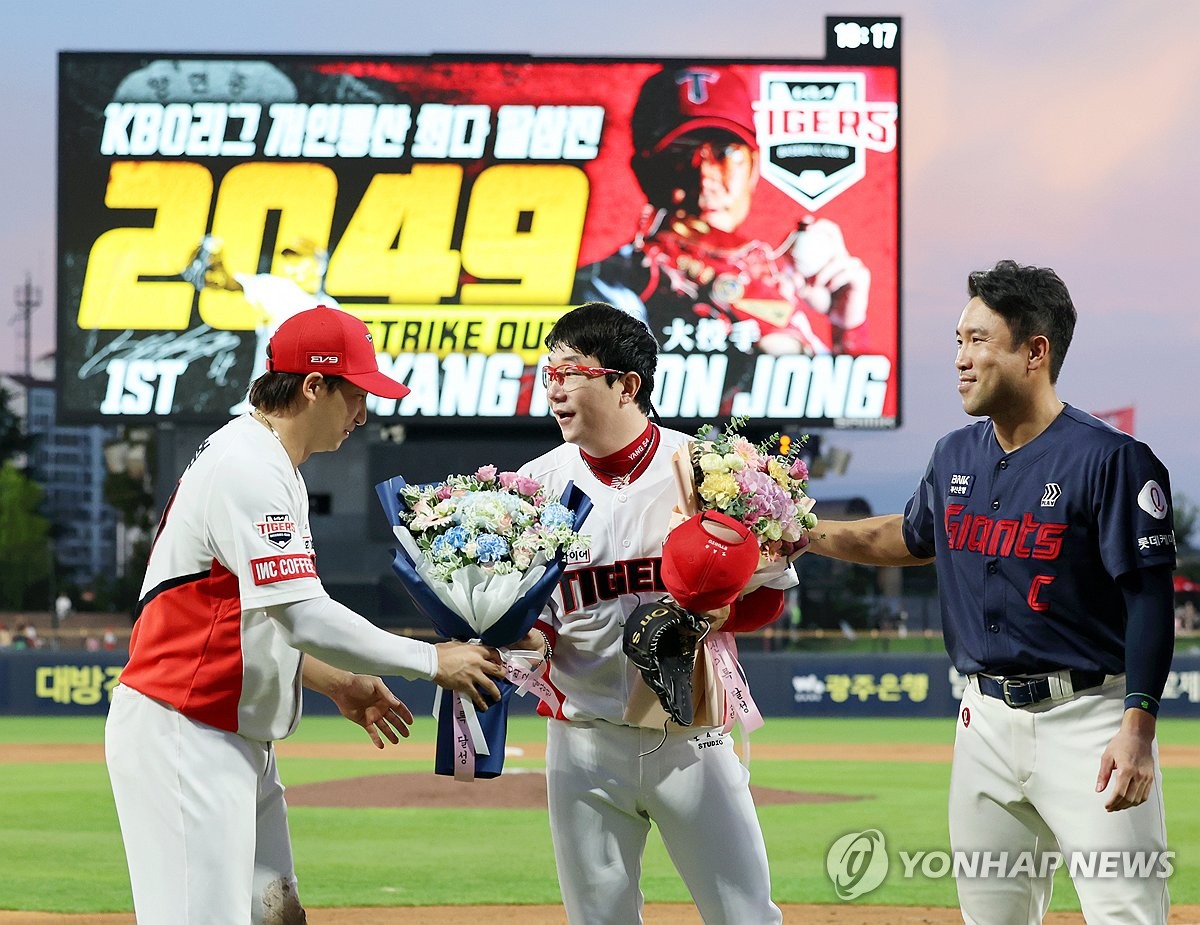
column 701, row 602
column 726, row 125
column 378, row 384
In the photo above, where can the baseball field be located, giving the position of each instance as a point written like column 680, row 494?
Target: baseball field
column 380, row 839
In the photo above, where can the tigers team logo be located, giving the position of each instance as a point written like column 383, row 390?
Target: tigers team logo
column 277, row 529
column 814, row 132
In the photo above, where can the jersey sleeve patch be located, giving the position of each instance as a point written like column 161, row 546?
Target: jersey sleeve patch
column 1155, row 542
column 1153, row 500
column 276, row 529
column 271, row 569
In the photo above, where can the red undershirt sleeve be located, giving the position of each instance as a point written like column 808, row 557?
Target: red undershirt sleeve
column 754, row 611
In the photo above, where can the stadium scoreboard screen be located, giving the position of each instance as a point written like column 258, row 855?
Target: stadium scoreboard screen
column 746, row 209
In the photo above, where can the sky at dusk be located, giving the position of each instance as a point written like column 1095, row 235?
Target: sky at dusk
column 1055, row 132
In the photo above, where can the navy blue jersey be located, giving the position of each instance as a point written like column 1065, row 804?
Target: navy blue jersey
column 1029, row 544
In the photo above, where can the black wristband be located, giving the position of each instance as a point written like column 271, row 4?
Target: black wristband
column 1141, row 702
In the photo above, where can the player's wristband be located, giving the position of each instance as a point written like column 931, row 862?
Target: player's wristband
column 1142, row 702
column 546, row 640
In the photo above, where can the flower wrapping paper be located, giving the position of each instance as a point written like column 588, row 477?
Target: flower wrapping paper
column 475, row 605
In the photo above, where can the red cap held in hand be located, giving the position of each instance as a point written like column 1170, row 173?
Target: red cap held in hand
column 332, row 342
column 707, row 560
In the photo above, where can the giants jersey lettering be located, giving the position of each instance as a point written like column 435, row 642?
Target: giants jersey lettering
column 589, row 607
column 233, row 541
column 1024, row 538
column 1029, row 544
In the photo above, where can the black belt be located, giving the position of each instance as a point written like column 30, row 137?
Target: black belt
column 1025, row 692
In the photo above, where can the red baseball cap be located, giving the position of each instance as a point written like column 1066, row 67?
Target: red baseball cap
column 677, row 101
column 333, row 342
column 707, row 560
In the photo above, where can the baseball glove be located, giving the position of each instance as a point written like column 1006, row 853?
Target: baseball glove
column 661, row 640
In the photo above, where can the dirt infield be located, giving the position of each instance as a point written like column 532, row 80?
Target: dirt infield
column 516, row 788
column 1170, row 756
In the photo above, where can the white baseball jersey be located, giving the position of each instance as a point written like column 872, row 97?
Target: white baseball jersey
column 620, row 571
column 212, row 681
column 233, row 540
column 605, row 778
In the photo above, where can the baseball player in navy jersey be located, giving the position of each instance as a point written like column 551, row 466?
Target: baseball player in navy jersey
column 606, row 781
column 231, row 620
column 1054, row 545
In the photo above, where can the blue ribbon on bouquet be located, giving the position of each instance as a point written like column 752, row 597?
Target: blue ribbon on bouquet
column 515, row 624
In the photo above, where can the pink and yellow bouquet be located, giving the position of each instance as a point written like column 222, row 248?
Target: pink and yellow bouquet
column 753, row 483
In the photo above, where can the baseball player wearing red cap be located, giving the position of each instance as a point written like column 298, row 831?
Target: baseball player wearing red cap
column 1054, row 548
column 696, row 158
column 231, row 620
column 606, row 781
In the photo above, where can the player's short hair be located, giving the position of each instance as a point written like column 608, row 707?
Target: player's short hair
column 273, row 392
column 1032, row 301
column 615, row 338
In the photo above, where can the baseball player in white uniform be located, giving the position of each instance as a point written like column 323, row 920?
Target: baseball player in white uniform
column 231, row 620
column 606, row 780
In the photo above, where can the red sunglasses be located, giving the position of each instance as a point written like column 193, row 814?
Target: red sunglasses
column 561, row 374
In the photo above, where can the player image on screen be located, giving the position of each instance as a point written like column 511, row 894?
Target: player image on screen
column 299, row 286
column 696, row 157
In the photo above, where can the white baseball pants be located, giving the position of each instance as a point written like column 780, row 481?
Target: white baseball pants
column 603, row 797
column 1024, row 780
column 202, row 816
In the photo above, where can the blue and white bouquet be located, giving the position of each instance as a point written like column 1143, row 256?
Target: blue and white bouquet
column 480, row 555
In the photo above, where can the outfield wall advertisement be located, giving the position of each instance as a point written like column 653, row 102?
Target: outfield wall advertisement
column 67, row 683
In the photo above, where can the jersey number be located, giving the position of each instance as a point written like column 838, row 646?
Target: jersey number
column 1035, row 587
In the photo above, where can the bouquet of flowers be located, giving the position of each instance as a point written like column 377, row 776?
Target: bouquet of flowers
column 758, row 487
column 765, row 492
column 480, row 555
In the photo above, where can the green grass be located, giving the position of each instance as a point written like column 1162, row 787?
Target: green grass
column 51, row 812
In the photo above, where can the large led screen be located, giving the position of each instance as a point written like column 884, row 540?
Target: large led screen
column 747, row 210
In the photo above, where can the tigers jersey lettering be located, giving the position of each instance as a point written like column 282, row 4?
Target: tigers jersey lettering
column 584, row 587
column 627, row 528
